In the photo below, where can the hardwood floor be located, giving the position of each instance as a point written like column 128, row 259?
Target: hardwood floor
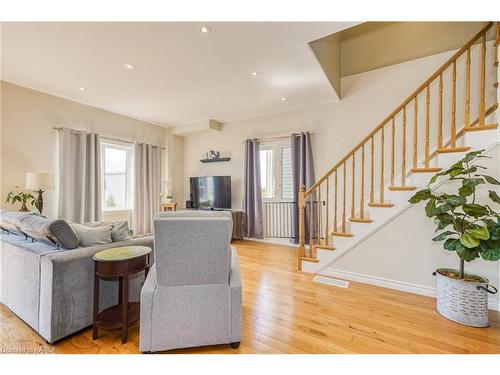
column 286, row 312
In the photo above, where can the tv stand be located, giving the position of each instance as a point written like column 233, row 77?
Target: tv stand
column 237, row 220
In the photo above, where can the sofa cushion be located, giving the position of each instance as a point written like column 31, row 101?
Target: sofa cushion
column 57, row 232
column 119, row 229
column 9, row 221
column 91, row 236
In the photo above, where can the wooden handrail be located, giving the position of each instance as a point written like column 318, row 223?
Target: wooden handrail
column 398, row 109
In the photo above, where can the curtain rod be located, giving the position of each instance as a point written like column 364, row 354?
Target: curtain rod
column 280, row 137
column 107, row 137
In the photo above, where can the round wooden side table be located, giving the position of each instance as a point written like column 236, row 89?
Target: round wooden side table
column 118, row 263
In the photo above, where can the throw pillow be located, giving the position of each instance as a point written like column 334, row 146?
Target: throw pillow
column 119, row 230
column 91, row 236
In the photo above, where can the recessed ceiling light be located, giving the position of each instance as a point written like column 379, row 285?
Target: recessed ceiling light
column 82, row 89
column 255, row 73
column 205, row 29
column 283, row 99
column 129, row 66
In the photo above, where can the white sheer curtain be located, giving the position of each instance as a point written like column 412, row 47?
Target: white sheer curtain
column 147, row 176
column 79, row 176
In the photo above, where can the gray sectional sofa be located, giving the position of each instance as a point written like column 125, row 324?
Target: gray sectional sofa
column 48, row 286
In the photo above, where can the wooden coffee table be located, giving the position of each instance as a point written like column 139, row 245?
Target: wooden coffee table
column 118, row 263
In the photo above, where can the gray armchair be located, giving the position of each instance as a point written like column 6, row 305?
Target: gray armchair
column 192, row 295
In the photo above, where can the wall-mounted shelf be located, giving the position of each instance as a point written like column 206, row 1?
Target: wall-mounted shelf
column 216, row 160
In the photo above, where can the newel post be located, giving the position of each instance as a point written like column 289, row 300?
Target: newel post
column 302, row 223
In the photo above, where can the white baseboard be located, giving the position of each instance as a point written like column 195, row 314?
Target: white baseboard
column 493, row 302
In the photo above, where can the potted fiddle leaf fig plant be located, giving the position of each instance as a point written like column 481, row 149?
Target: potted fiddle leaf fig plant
column 470, row 227
column 22, row 197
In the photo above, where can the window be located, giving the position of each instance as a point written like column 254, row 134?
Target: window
column 117, row 176
column 276, row 171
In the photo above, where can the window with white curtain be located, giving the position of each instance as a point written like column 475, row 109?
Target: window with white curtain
column 276, row 171
column 117, row 167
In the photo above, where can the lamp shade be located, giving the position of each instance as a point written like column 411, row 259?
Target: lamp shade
column 39, row 181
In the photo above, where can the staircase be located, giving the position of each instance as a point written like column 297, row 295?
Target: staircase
column 449, row 114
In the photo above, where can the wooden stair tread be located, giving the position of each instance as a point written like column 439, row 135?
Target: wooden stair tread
column 402, row 188
column 445, row 150
column 380, row 204
column 481, row 128
column 341, row 234
column 426, row 170
column 325, row 247
column 307, row 259
column 360, row 220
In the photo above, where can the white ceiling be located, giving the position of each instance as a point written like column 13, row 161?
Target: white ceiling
column 181, row 75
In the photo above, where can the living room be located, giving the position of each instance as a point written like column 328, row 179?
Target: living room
column 284, row 177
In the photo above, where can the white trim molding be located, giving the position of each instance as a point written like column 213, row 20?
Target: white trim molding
column 493, row 302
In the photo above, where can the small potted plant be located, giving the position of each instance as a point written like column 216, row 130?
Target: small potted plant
column 472, row 230
column 22, row 197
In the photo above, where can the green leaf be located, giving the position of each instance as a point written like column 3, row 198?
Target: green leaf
column 494, row 196
column 490, row 179
column 467, row 254
column 443, row 235
column 491, row 254
column 471, row 155
column 443, row 220
column 475, row 210
column 468, row 241
column 490, row 250
column 420, row 196
column 451, row 244
column 480, row 233
column 465, row 191
column 430, row 207
column 460, row 225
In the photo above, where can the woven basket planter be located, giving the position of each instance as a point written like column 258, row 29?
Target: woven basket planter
column 463, row 301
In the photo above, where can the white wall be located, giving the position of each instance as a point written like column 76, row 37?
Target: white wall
column 366, row 99
column 28, row 141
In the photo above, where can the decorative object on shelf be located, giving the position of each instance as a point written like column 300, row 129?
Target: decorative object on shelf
column 166, row 192
column 22, row 197
column 213, row 156
column 39, row 182
column 475, row 232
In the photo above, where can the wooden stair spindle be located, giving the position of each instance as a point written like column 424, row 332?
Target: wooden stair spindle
column 427, row 127
column 353, row 186
column 453, row 138
column 415, row 132
column 335, row 221
column 372, row 171
column 319, row 210
column 482, row 105
column 344, row 202
column 362, row 198
column 311, row 226
column 440, row 112
column 467, row 91
column 382, row 151
column 393, row 151
column 327, row 213
column 403, row 150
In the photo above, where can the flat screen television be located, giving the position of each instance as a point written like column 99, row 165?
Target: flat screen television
column 211, row 192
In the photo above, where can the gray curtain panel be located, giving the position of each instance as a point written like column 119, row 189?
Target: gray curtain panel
column 302, row 174
column 79, row 176
column 252, row 198
column 148, row 170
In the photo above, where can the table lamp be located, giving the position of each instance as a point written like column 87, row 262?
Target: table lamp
column 39, row 182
